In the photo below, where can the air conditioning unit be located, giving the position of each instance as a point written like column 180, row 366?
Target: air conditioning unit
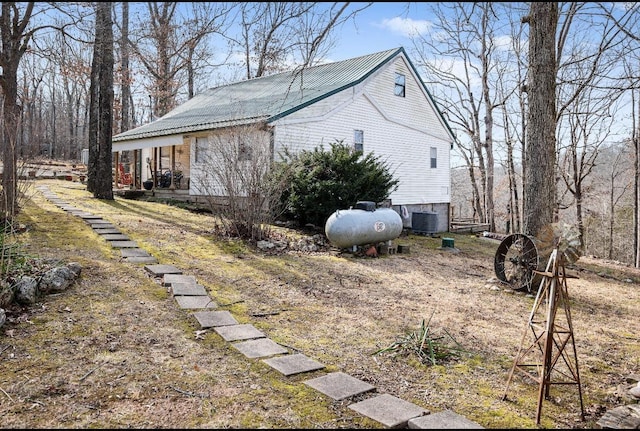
column 425, row 223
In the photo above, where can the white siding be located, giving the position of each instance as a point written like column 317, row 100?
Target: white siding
column 222, row 146
column 400, row 130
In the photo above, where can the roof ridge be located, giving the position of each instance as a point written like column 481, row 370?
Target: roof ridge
column 298, row 69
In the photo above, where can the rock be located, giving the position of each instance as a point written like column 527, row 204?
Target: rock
column 623, row 417
column 75, row 267
column 6, row 293
column 633, row 378
column 26, row 290
column 265, row 245
column 56, row 280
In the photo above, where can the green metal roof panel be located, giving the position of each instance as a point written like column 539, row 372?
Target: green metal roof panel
column 261, row 99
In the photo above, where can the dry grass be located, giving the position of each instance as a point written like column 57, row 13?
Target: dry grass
column 116, row 352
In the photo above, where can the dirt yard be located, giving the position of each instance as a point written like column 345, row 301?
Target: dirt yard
column 115, row 351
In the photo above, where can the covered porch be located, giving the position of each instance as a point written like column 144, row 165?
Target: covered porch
column 152, row 164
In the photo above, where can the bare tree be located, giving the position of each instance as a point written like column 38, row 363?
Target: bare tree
column 19, row 22
column 618, row 187
column 33, row 115
column 15, row 37
column 588, row 127
column 276, row 34
column 99, row 174
column 166, row 45
column 470, row 96
column 635, row 140
column 68, row 76
column 628, row 25
column 232, row 170
column 125, row 74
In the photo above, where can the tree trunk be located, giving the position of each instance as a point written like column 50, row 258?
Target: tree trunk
column 636, row 169
column 488, row 127
column 14, row 43
column 126, row 84
column 540, row 157
column 101, row 116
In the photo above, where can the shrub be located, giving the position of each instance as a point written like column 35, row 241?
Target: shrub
column 321, row 182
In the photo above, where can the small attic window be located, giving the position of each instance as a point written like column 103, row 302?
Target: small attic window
column 400, row 85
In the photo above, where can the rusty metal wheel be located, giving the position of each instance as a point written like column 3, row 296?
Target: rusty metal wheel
column 515, row 260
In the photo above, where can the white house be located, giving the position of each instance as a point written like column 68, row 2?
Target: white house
column 376, row 102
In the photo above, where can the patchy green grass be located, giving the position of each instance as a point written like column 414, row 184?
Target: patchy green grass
column 115, row 351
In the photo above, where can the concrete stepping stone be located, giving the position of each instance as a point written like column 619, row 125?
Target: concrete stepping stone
column 211, row 319
column 141, row 259
column 188, row 289
column 123, row 244
column 88, row 216
column 259, row 348
column 446, row 419
column 294, row 364
column 134, row 252
column 160, row 270
column 85, row 215
column 239, row 332
column 390, row 411
column 97, row 220
column 169, row 279
column 339, row 385
column 101, row 231
column 622, row 417
column 195, row 302
column 115, row 237
column 102, row 225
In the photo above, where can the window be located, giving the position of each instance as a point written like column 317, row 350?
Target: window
column 434, row 157
column 400, row 85
column 358, row 140
column 201, row 144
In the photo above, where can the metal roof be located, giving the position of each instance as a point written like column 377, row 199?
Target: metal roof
column 261, row 99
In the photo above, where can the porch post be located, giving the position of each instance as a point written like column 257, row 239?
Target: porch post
column 116, row 163
column 172, row 186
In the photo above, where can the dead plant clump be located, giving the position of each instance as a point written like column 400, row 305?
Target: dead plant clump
column 431, row 327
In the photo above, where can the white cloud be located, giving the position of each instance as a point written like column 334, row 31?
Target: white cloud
column 406, row 27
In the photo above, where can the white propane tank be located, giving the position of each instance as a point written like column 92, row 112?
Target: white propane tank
column 347, row 228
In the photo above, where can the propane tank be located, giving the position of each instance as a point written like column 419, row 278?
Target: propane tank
column 357, row 226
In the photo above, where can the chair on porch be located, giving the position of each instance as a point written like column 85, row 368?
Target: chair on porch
column 124, row 177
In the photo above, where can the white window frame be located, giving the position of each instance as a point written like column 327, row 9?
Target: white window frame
column 199, row 148
column 400, row 85
column 433, row 157
column 358, row 140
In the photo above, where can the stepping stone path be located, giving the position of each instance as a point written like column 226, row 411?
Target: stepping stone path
column 390, row 411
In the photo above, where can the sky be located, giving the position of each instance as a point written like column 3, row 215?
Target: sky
column 382, row 26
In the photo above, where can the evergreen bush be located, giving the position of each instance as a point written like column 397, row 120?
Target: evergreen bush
column 322, row 181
